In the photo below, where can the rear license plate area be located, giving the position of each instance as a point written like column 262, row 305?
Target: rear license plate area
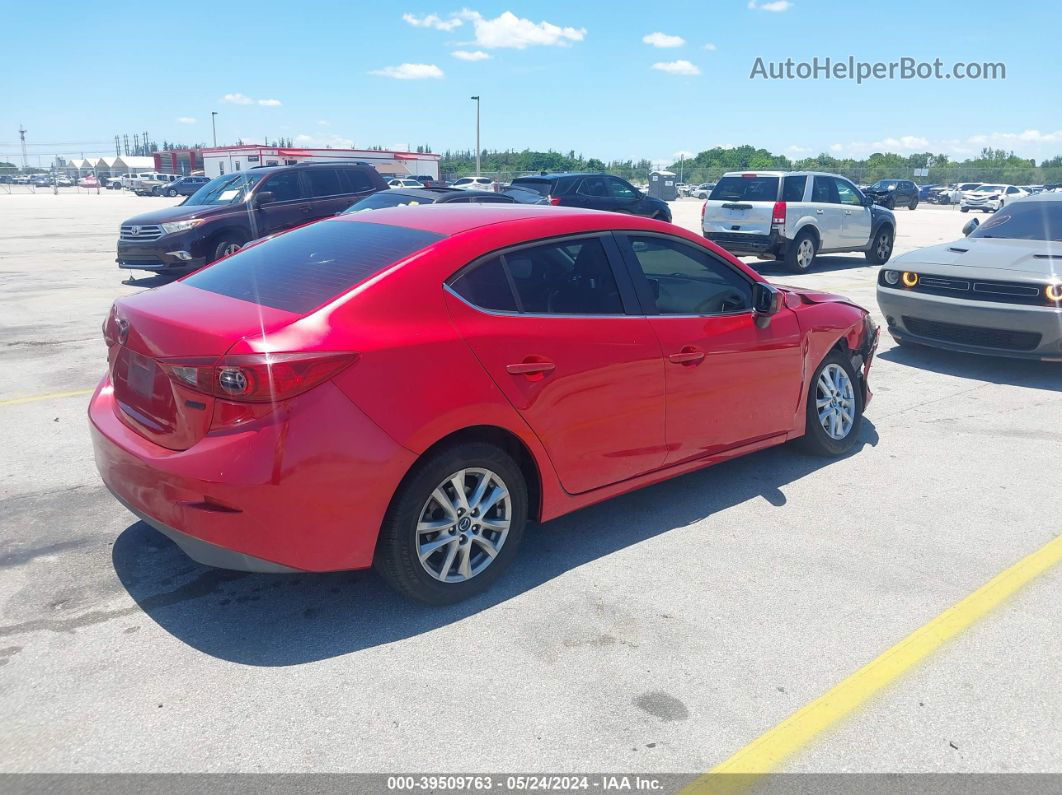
column 141, row 374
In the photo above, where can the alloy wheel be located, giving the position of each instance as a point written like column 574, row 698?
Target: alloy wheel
column 231, row 248
column 805, row 253
column 463, row 525
column 883, row 247
column 835, row 401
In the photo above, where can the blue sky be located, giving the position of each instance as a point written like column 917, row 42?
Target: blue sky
column 580, row 76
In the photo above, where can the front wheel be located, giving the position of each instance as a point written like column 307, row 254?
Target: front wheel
column 890, row 203
column 171, row 193
column 964, row 209
column 454, row 525
column 881, row 248
column 800, row 254
column 834, row 408
column 227, row 244
column 913, row 204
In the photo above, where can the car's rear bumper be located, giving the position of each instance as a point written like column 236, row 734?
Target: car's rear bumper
column 1024, row 332
column 742, row 243
column 305, row 488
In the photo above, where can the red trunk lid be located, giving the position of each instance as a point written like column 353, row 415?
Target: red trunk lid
column 180, row 322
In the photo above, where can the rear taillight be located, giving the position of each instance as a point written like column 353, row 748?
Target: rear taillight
column 703, row 208
column 778, row 214
column 554, row 200
column 257, row 377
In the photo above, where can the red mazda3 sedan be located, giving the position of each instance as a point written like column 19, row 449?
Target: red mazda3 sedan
column 406, row 388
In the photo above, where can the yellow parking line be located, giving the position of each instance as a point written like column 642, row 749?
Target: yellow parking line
column 769, row 750
column 49, row 396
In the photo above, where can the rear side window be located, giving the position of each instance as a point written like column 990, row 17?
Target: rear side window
column 486, row 286
column 323, row 181
column 307, row 267
column 793, row 189
column 749, row 189
column 355, row 180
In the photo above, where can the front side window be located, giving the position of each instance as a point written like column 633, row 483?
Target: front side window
column 569, row 277
column 825, row 191
column 618, row 189
column 593, row 186
column 684, row 280
column 847, row 193
column 284, row 186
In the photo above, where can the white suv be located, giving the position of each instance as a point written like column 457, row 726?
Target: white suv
column 794, row 216
column 990, row 197
column 473, row 183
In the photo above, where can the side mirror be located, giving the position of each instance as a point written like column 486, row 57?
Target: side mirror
column 766, row 302
column 265, row 197
column 867, row 201
column 971, row 225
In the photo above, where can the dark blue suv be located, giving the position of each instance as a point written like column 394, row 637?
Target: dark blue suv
column 595, row 192
column 185, row 186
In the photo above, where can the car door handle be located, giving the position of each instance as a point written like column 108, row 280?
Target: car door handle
column 847, row 212
column 819, row 212
column 530, row 367
column 687, row 356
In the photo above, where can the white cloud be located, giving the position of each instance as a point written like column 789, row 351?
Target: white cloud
column 433, row 21
column 836, row 147
column 409, row 71
column 237, row 99
column 470, row 55
column 322, row 141
column 710, row 46
column 679, row 67
column 270, row 103
column 185, row 120
column 776, row 6
column 797, row 150
column 663, row 40
column 509, row 30
column 682, row 154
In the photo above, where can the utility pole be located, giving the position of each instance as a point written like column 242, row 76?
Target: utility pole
column 22, row 138
column 477, row 135
column 214, row 126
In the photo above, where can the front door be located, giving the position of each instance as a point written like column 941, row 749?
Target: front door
column 286, row 208
column 586, row 376
column 856, row 220
column 728, row 381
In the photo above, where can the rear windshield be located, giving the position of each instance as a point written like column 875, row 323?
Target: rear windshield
column 378, row 201
column 539, row 186
column 1024, row 221
column 749, row 189
column 307, row 267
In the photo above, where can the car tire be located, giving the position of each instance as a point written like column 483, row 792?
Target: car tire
column 881, row 246
column 836, row 385
column 890, row 203
column 796, row 253
column 913, row 204
column 400, row 551
column 171, row 192
column 964, row 209
column 226, row 244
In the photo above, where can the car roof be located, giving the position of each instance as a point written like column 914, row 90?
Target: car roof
column 451, row 218
column 440, row 193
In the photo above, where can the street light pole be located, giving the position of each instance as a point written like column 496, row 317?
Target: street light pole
column 213, row 125
column 477, row 135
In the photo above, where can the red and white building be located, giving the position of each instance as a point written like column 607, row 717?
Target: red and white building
column 227, row 159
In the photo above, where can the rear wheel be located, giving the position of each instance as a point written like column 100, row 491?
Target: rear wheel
column 454, row 525
column 964, row 209
column 171, row 192
column 800, row 254
column 834, row 408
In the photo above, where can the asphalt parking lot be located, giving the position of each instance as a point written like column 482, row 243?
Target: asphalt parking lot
column 659, row 632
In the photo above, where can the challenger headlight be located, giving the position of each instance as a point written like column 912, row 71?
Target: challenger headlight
column 1053, row 292
column 891, row 277
column 180, row 226
column 910, row 279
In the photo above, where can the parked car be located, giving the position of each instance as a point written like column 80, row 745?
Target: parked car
column 682, row 189
column 989, row 198
column 22, row 179
column 997, row 292
column 404, row 182
column 892, row 193
column 595, row 192
column 473, row 183
column 939, row 194
column 925, row 191
column 88, row 182
column 63, row 181
column 703, row 190
column 960, row 189
column 233, row 209
column 184, row 186
column 446, row 382
column 795, row 216
column 412, row 197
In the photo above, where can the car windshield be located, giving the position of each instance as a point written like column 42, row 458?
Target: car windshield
column 384, row 199
column 1024, row 220
column 746, row 188
column 226, row 189
column 885, row 184
column 990, row 188
column 464, row 181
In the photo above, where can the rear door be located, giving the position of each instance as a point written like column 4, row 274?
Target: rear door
column 328, row 195
column 856, row 219
column 549, row 322
column 742, row 204
column 728, row 381
column 826, row 208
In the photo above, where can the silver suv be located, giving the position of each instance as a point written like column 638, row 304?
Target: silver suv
column 795, row 216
